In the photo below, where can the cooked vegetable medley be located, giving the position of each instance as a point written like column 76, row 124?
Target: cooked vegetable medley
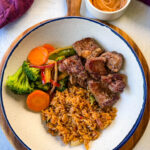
column 73, row 87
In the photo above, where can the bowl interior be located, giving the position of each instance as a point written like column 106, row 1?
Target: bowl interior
column 63, row 32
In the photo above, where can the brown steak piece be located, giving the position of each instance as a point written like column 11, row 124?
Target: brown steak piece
column 96, row 67
column 114, row 60
column 75, row 80
column 73, row 66
column 103, row 96
column 97, row 52
column 115, row 82
column 86, row 46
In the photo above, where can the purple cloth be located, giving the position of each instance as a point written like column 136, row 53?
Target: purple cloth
column 146, row 2
column 11, row 10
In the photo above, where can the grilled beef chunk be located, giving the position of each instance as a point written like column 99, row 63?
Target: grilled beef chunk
column 96, row 67
column 97, row 52
column 74, row 81
column 103, row 95
column 115, row 82
column 86, row 47
column 114, row 60
column 73, row 66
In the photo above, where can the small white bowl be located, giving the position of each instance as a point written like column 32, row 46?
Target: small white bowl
column 106, row 15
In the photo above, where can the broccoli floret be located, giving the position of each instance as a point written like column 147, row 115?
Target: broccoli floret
column 63, row 84
column 32, row 73
column 39, row 85
column 19, row 83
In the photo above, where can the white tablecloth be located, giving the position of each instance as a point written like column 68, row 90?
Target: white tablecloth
column 135, row 22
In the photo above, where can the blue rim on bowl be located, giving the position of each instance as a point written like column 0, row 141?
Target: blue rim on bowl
column 101, row 24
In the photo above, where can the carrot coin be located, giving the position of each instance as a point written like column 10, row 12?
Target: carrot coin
column 38, row 56
column 38, row 100
column 49, row 47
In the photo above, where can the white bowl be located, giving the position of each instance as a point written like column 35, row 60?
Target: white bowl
column 28, row 127
column 105, row 15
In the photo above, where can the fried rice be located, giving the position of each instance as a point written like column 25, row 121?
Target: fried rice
column 72, row 117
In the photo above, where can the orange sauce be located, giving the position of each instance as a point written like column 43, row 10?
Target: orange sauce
column 109, row 5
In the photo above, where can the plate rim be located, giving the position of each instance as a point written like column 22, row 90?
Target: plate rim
column 38, row 25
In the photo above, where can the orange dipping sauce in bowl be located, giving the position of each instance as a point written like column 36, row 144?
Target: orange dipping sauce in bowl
column 109, row 5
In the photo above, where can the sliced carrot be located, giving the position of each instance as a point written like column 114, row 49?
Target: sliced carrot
column 38, row 56
column 49, row 47
column 38, row 100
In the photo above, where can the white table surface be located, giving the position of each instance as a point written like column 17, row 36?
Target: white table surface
column 135, row 22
